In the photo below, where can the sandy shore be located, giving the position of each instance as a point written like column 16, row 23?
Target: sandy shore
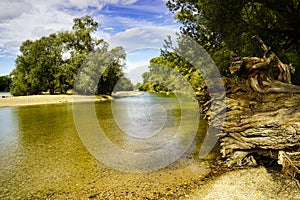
column 10, row 101
column 249, row 184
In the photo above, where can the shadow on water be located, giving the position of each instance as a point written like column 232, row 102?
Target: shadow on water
column 43, row 157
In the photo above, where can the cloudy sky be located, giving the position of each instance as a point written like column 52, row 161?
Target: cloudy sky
column 140, row 26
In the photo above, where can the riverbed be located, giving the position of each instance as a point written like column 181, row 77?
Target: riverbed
column 42, row 154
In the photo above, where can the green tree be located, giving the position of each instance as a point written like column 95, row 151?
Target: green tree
column 124, row 84
column 37, row 66
column 5, row 83
column 166, row 72
column 101, row 71
column 79, row 43
column 42, row 65
column 223, row 27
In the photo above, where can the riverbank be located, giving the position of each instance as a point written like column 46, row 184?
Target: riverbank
column 11, row 101
column 123, row 94
column 249, row 184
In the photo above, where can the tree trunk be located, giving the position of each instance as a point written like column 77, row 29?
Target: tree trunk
column 262, row 112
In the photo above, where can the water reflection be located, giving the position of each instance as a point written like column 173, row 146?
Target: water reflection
column 8, row 124
column 150, row 147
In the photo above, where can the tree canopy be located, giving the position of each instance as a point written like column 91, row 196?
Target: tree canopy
column 51, row 63
column 166, row 72
column 224, row 27
column 101, row 71
column 5, row 83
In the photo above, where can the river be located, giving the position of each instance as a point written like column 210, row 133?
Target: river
column 42, row 155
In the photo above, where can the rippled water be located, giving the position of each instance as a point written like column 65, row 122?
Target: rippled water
column 42, row 156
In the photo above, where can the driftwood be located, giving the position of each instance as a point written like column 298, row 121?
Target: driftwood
column 262, row 113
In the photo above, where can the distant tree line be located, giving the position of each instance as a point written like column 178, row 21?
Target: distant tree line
column 51, row 63
column 166, row 73
column 5, row 82
column 223, row 28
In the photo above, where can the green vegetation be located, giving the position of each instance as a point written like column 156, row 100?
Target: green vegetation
column 124, row 84
column 51, row 63
column 5, row 83
column 166, row 72
column 101, row 71
column 226, row 27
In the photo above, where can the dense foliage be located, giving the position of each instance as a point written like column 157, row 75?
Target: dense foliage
column 51, row 63
column 166, row 72
column 101, row 71
column 5, row 83
column 124, row 84
column 224, row 27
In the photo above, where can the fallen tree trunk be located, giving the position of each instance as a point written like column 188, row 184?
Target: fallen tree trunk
column 260, row 125
column 263, row 112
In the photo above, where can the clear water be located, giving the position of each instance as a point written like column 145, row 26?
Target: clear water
column 5, row 94
column 42, row 155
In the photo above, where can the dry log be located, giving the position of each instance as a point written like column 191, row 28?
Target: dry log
column 290, row 163
column 262, row 112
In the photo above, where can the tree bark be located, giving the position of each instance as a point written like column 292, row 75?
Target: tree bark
column 262, row 112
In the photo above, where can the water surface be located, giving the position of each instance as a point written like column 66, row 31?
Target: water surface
column 42, row 156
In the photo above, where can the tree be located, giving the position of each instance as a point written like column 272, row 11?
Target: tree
column 42, row 65
column 101, row 71
column 124, row 84
column 5, row 83
column 223, row 27
column 167, row 71
column 79, row 43
column 261, row 102
column 37, row 66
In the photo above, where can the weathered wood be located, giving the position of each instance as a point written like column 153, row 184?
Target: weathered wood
column 260, row 127
column 290, row 163
column 257, row 123
column 262, row 111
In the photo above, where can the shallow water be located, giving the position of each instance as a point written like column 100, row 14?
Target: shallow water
column 42, row 155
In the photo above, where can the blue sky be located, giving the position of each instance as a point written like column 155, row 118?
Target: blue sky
column 140, row 26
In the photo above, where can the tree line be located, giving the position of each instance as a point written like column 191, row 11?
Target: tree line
column 224, row 28
column 51, row 63
column 5, row 82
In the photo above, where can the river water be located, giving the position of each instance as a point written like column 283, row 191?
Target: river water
column 42, row 155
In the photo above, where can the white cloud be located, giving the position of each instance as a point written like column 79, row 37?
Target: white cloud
column 138, row 38
column 137, row 63
column 142, row 44
column 102, row 35
column 13, row 9
column 135, row 75
column 40, row 20
column 80, row 4
column 108, row 28
column 128, row 2
column 31, row 19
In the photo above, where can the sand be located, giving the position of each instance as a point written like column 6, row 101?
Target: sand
column 10, row 101
column 249, row 184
